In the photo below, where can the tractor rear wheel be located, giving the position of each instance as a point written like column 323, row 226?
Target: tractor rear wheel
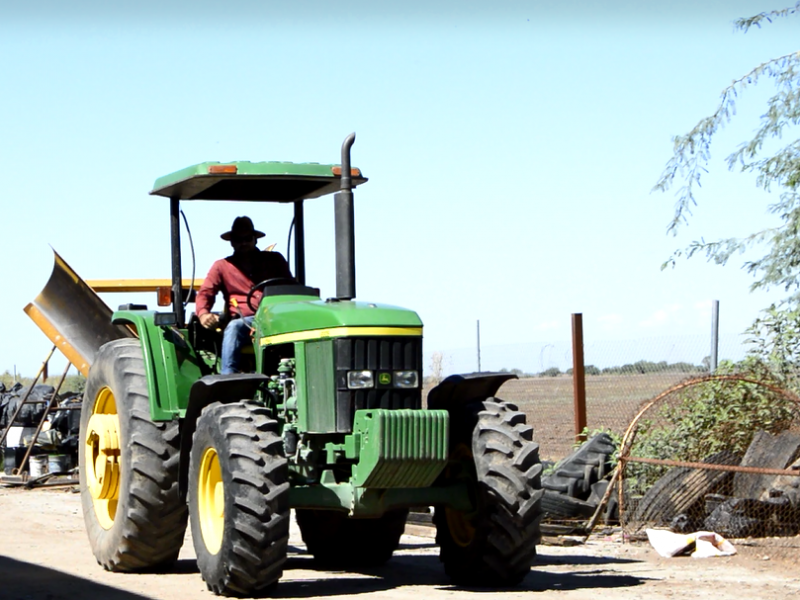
column 128, row 466
column 493, row 451
column 339, row 541
column 239, row 498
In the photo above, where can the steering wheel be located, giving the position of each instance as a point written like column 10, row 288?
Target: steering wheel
column 262, row 284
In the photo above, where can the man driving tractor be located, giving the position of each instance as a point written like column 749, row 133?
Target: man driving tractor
column 235, row 276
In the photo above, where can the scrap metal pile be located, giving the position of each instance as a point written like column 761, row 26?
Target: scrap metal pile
column 37, row 424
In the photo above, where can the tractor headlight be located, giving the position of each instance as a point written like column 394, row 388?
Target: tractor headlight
column 359, row 380
column 406, row 379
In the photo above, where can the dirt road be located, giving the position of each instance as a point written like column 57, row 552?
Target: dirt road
column 44, row 555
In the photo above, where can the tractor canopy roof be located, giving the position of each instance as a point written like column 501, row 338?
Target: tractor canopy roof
column 253, row 181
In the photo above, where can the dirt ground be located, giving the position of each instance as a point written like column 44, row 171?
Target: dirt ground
column 44, row 555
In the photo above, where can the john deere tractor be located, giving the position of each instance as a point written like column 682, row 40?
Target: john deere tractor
column 330, row 422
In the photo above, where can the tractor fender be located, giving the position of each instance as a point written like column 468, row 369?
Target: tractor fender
column 458, row 390
column 170, row 363
column 205, row 391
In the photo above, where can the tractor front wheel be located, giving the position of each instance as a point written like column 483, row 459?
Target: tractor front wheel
column 128, row 466
column 493, row 452
column 239, row 498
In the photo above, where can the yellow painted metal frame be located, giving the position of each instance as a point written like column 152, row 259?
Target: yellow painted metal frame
column 67, row 349
column 138, row 285
column 333, row 332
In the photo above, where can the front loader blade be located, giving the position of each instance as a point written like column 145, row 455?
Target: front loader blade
column 73, row 316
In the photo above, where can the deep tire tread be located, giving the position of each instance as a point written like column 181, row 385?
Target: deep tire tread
column 575, row 475
column 150, row 522
column 255, row 477
column 508, row 472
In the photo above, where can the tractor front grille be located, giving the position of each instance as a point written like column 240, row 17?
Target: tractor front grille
column 381, row 355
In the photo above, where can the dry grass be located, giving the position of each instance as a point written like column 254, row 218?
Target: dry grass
column 611, row 403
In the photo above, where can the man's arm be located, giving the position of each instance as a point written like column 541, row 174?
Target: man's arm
column 206, row 296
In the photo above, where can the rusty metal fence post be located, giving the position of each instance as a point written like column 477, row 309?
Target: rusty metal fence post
column 578, row 377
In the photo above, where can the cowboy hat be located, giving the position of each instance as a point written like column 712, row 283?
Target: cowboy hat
column 242, row 227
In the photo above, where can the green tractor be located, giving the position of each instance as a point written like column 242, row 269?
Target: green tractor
column 330, row 423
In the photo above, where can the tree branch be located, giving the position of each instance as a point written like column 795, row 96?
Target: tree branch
column 747, row 22
column 691, row 151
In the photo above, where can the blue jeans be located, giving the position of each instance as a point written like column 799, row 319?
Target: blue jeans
column 235, row 336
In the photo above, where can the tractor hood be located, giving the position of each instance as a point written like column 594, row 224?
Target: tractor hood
column 281, row 319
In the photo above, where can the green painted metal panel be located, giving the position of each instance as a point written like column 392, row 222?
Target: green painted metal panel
column 300, row 385
column 400, row 448
column 373, row 502
column 257, row 181
column 170, row 363
column 276, row 316
column 320, row 405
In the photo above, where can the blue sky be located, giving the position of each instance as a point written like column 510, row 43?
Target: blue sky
column 511, row 149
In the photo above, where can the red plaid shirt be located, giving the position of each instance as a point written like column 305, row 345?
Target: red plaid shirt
column 234, row 278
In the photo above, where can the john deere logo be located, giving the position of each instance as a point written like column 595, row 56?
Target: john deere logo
column 385, row 378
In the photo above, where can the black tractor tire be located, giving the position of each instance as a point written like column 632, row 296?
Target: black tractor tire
column 143, row 526
column 682, row 491
column 240, row 524
column 575, row 475
column 338, row 541
column 560, row 506
column 492, row 448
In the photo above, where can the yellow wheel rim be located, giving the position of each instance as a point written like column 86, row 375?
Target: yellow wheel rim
column 102, row 457
column 460, row 524
column 211, row 500
column 461, row 528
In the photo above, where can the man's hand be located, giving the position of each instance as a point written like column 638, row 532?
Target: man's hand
column 208, row 320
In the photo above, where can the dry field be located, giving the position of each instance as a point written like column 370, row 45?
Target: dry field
column 611, row 403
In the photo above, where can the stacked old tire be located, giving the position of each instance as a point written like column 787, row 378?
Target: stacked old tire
column 571, row 489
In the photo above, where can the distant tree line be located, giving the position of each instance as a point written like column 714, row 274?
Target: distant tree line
column 638, row 368
column 645, row 366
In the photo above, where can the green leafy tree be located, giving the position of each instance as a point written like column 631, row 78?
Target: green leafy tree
column 551, row 372
column 774, row 170
column 587, row 370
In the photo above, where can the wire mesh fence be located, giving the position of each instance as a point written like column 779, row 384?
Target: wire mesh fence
column 697, row 452
column 718, row 453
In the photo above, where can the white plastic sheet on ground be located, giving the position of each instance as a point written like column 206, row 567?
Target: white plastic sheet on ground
column 704, row 543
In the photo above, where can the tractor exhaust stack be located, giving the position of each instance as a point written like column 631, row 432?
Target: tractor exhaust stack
column 344, row 218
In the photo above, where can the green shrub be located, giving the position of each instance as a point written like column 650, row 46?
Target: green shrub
column 710, row 417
